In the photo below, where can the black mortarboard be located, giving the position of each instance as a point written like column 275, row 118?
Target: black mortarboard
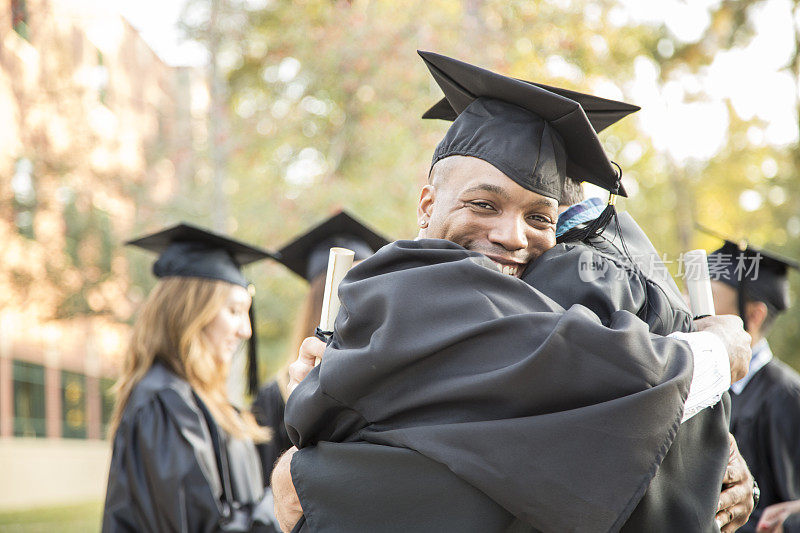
column 753, row 272
column 191, row 252
column 307, row 255
column 533, row 133
column 764, row 274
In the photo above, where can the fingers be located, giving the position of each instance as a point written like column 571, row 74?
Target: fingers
column 736, row 501
column 719, row 321
column 767, row 524
column 736, row 340
column 310, row 350
column 733, row 518
column 736, row 472
column 741, row 492
column 773, row 517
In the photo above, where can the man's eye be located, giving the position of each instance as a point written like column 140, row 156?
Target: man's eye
column 482, row 205
column 541, row 218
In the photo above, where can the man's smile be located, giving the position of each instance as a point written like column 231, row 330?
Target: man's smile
column 508, row 266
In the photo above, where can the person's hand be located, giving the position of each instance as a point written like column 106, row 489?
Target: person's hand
column 773, row 516
column 736, row 499
column 287, row 503
column 730, row 330
column 310, row 351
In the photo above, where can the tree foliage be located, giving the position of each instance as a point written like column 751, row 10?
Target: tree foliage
column 324, row 99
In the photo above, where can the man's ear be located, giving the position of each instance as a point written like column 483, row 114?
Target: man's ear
column 756, row 313
column 427, row 197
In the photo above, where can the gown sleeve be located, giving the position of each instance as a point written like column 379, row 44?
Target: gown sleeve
column 164, row 475
column 268, row 408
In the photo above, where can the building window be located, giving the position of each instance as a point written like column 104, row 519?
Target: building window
column 24, row 196
column 73, row 405
column 107, row 402
column 29, row 414
column 19, row 17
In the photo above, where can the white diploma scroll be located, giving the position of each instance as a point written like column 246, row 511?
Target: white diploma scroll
column 339, row 262
column 698, row 283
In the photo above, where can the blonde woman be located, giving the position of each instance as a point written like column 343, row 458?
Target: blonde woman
column 307, row 256
column 183, row 457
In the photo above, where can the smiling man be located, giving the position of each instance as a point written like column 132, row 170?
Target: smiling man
column 455, row 397
column 470, row 202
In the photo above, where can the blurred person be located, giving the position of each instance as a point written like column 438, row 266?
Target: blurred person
column 469, row 400
column 183, row 457
column 306, row 256
column 765, row 403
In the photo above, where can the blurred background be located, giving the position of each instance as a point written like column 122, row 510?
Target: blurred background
column 260, row 118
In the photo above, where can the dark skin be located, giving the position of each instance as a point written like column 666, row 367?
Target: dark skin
column 736, row 500
column 473, row 204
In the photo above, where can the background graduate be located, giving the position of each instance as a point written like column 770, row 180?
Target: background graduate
column 306, row 256
column 765, row 404
column 183, row 457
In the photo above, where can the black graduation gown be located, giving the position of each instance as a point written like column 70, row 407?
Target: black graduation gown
column 766, row 423
column 174, row 469
column 683, row 495
column 558, row 422
column 268, row 409
column 359, row 486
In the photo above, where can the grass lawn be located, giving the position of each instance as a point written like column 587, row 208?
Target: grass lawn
column 67, row 519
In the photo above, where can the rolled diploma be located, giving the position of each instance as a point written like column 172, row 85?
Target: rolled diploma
column 339, row 262
column 698, row 283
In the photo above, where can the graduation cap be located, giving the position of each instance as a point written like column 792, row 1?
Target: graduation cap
column 533, row 133
column 192, row 252
column 307, row 255
column 753, row 272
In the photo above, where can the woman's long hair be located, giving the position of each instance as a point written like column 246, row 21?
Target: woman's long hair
column 170, row 329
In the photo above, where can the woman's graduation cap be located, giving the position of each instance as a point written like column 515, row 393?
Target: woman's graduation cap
column 192, row 252
column 535, row 134
column 307, row 255
column 755, row 273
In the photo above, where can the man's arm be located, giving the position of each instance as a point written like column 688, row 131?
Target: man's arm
column 711, row 372
column 721, row 350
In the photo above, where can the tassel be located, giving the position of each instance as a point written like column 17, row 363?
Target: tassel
column 252, row 354
column 592, row 229
column 596, row 226
column 741, row 300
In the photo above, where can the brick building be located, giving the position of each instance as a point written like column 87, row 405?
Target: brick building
column 98, row 137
